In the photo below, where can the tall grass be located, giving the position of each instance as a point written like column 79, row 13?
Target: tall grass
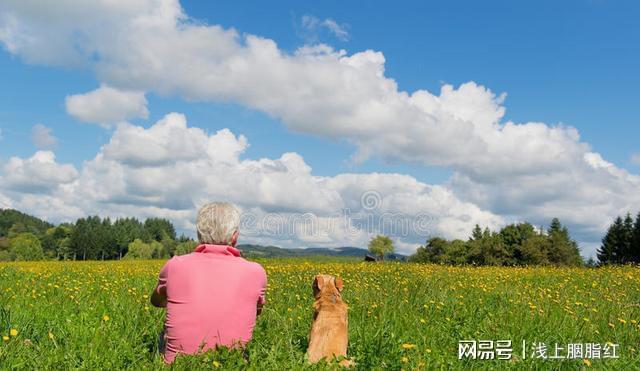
column 96, row 315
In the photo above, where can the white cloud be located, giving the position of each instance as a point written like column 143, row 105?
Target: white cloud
column 122, row 180
column 37, row 174
column 312, row 25
column 42, row 137
column 520, row 170
column 635, row 159
column 107, row 105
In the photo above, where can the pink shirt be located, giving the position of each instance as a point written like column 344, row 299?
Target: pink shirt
column 212, row 295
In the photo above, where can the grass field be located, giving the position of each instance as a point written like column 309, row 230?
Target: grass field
column 96, row 315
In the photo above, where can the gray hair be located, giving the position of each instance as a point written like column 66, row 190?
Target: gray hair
column 217, row 222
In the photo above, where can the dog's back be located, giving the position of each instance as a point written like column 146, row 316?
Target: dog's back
column 329, row 331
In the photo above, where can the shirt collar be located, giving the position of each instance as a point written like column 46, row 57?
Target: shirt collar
column 218, row 249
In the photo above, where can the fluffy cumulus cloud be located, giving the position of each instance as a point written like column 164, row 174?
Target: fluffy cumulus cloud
column 38, row 174
column 526, row 170
column 42, row 137
column 283, row 202
column 107, row 105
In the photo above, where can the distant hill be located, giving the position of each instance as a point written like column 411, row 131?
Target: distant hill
column 259, row 251
column 21, row 222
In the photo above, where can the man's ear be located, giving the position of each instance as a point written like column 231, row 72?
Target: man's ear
column 234, row 238
column 339, row 284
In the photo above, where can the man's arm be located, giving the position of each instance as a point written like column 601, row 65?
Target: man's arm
column 159, row 299
column 159, row 294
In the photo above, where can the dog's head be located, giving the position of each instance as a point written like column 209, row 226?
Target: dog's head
column 327, row 285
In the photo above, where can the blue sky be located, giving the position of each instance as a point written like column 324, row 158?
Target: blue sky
column 571, row 62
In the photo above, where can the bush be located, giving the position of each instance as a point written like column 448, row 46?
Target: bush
column 141, row 250
column 185, row 247
column 26, row 246
column 5, row 256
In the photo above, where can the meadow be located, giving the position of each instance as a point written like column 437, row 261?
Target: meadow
column 96, row 315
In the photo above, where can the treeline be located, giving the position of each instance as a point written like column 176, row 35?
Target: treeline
column 621, row 243
column 515, row 244
column 23, row 237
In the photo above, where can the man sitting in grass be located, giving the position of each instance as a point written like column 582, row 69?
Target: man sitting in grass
column 212, row 295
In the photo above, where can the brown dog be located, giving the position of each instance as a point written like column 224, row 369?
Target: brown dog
column 329, row 332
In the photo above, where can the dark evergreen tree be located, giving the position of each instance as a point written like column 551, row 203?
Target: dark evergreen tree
column 608, row 253
column 126, row 231
column 514, row 236
column 635, row 241
column 156, row 229
column 562, row 249
column 476, row 234
column 626, row 249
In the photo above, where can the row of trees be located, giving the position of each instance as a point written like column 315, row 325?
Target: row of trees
column 621, row 244
column 23, row 237
column 515, row 244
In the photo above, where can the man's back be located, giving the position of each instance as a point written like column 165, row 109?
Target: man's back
column 212, row 297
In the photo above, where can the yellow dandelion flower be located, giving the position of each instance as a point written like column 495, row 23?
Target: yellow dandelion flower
column 422, row 320
column 13, row 332
column 404, row 359
column 612, row 325
column 408, row 346
column 51, row 335
column 622, row 321
column 587, row 362
column 216, row 364
column 105, row 318
column 5, row 338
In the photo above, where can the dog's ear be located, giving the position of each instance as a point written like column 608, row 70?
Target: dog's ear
column 339, row 284
column 318, row 282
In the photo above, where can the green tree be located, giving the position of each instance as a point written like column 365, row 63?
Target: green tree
column 476, row 234
column 168, row 247
column 562, row 250
column 157, row 228
column 488, row 250
column 126, row 231
column 514, row 237
column 23, row 223
column 26, row 246
column 380, row 246
column 635, row 241
column 609, row 251
column 84, row 243
column 455, row 253
column 535, row 250
column 432, row 252
column 139, row 249
column 185, row 247
column 55, row 242
column 627, row 240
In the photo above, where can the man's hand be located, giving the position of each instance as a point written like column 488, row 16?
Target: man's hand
column 159, row 299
